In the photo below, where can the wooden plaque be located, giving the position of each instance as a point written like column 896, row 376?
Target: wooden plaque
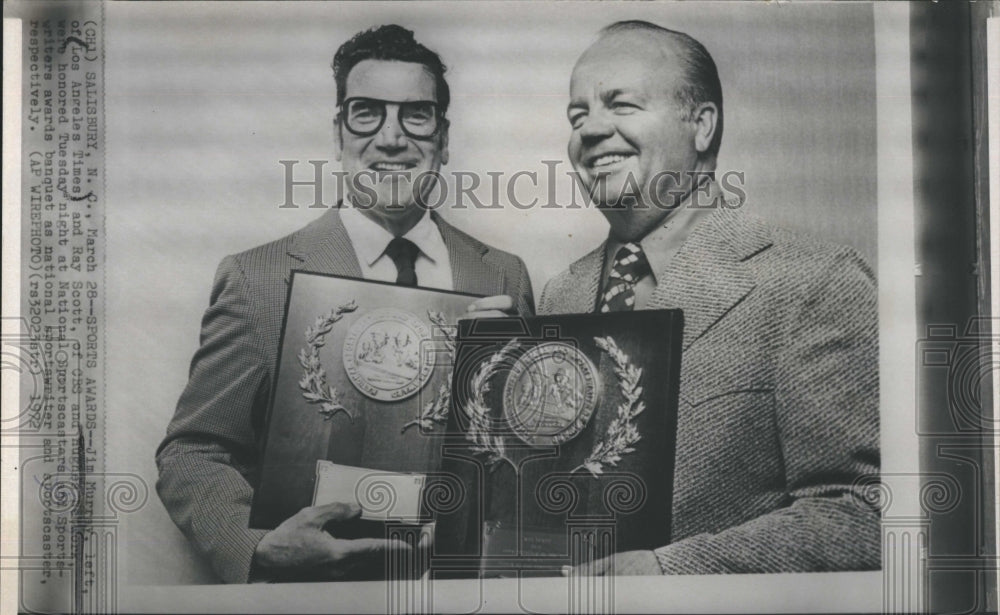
column 362, row 380
column 564, row 434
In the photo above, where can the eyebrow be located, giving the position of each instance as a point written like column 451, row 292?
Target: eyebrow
column 614, row 93
column 605, row 96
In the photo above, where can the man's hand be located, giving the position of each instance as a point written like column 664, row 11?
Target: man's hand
column 497, row 306
column 626, row 563
column 301, row 549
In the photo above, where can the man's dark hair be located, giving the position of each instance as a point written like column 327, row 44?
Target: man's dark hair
column 701, row 78
column 389, row 42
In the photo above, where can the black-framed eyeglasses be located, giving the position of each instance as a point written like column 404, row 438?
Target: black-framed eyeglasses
column 363, row 117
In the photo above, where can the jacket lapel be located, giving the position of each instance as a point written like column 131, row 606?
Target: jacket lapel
column 575, row 291
column 580, row 297
column 323, row 246
column 708, row 277
column 471, row 269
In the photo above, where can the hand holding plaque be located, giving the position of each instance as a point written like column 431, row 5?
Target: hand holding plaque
column 628, row 563
column 303, row 548
column 497, row 306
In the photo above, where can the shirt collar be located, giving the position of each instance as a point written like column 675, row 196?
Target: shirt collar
column 370, row 239
column 428, row 238
column 662, row 243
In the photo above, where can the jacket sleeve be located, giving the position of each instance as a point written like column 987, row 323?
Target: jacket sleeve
column 209, row 458
column 826, row 413
column 520, row 290
column 543, row 300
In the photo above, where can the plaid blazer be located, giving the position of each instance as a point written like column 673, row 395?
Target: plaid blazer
column 209, row 459
column 778, row 412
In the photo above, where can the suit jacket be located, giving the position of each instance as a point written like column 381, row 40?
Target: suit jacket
column 778, row 411
column 210, row 457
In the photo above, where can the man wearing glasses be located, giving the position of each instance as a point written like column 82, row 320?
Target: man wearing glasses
column 391, row 137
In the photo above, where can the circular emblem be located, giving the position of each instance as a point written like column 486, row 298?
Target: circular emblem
column 382, row 354
column 550, row 394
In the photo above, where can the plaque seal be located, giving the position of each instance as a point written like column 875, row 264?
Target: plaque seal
column 550, row 394
column 382, row 354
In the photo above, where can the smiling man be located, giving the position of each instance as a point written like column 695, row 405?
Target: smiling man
column 778, row 413
column 391, row 136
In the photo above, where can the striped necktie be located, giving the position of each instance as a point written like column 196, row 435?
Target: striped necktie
column 630, row 266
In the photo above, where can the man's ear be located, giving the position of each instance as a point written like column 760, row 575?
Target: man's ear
column 705, row 118
column 444, row 142
column 338, row 138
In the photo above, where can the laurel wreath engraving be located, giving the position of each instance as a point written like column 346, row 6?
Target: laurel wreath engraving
column 313, row 382
column 619, row 439
column 622, row 434
column 478, row 432
column 436, row 410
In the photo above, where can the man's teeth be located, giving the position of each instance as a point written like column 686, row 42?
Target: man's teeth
column 390, row 166
column 608, row 159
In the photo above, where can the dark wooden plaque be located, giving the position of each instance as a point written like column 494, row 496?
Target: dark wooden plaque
column 563, row 441
column 362, row 380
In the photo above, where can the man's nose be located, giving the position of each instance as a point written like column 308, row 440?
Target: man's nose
column 596, row 127
column 391, row 135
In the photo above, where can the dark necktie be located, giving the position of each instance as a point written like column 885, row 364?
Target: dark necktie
column 630, row 266
column 403, row 253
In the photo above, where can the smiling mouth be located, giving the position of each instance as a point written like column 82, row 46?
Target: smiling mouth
column 392, row 166
column 606, row 161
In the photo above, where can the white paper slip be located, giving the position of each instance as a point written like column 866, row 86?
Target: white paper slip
column 382, row 495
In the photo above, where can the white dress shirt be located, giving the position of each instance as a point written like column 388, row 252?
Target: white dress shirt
column 433, row 267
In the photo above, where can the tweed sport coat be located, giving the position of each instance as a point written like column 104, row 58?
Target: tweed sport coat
column 210, row 457
column 778, row 411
